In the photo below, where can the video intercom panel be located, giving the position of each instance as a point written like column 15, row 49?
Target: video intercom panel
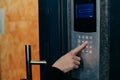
column 84, row 25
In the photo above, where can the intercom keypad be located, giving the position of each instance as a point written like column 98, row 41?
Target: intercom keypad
column 83, row 38
column 84, row 25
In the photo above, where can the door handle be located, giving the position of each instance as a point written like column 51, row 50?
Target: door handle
column 28, row 56
column 38, row 62
column 29, row 62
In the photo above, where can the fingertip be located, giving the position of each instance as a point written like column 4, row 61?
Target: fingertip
column 79, row 48
column 86, row 42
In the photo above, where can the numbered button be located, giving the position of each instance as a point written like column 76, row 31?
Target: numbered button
column 78, row 40
column 86, row 51
column 90, row 52
column 90, row 47
column 83, row 41
column 91, row 37
column 79, row 36
column 83, row 37
column 86, row 37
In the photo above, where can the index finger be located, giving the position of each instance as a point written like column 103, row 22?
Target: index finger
column 79, row 48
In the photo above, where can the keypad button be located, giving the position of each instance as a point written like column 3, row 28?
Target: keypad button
column 91, row 37
column 83, row 37
column 90, row 52
column 86, row 37
column 79, row 36
column 90, row 47
column 78, row 40
column 83, row 41
column 86, row 51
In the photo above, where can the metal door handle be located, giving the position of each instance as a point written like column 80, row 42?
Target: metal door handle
column 29, row 62
column 28, row 56
column 38, row 62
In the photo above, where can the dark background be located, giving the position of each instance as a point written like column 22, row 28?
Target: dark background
column 114, row 39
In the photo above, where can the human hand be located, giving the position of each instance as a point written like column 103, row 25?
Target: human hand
column 70, row 61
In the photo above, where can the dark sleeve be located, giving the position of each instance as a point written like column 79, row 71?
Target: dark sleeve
column 55, row 74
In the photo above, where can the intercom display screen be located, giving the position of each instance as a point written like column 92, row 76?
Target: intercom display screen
column 84, row 16
column 84, row 11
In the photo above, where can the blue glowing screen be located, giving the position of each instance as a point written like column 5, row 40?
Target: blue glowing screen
column 84, row 10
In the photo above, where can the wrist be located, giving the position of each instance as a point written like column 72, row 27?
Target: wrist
column 58, row 67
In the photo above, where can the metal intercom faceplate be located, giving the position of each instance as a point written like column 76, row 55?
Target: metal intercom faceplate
column 89, row 68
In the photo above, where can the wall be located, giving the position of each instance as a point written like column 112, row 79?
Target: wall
column 21, row 27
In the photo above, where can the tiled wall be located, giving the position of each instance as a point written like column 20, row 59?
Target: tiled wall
column 21, row 27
